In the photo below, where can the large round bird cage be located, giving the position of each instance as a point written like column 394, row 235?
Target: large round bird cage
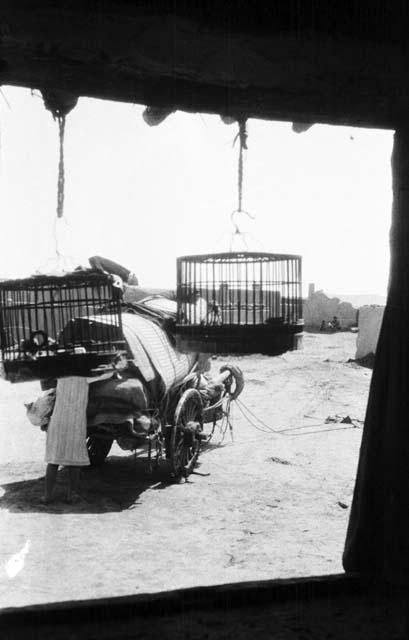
column 56, row 326
column 239, row 303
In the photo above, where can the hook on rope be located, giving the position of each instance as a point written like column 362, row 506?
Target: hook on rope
column 238, row 235
column 233, row 214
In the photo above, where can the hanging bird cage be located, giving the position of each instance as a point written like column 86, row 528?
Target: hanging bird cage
column 239, row 303
column 55, row 326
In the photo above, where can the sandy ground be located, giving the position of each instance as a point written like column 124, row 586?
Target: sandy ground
column 274, row 503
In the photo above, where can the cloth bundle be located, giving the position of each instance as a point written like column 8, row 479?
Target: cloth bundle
column 39, row 411
column 115, row 401
column 110, row 401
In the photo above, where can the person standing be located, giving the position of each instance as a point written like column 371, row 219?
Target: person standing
column 66, row 436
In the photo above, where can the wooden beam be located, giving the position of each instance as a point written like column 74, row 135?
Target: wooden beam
column 338, row 607
column 124, row 52
column 377, row 540
column 369, row 110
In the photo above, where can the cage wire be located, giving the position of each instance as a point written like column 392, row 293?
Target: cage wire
column 66, row 321
column 239, row 301
column 54, row 326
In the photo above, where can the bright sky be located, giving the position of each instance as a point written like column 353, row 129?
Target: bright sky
column 144, row 195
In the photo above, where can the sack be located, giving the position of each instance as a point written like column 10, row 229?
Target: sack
column 125, row 393
column 39, row 412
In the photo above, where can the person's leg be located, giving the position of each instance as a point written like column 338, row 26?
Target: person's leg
column 50, row 479
column 73, row 482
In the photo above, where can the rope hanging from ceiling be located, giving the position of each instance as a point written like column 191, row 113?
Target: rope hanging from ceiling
column 242, row 137
column 240, row 301
column 61, row 170
column 59, row 103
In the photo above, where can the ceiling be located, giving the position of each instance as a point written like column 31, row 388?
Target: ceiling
column 308, row 61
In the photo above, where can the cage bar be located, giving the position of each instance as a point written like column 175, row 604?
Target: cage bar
column 55, row 326
column 239, row 303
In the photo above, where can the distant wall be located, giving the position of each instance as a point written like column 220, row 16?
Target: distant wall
column 369, row 325
column 319, row 307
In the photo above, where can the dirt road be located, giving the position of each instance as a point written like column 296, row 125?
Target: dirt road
column 273, row 503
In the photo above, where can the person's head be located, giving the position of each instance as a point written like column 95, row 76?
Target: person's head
column 132, row 279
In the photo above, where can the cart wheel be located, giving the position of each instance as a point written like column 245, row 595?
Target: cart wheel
column 98, row 449
column 235, row 383
column 184, row 445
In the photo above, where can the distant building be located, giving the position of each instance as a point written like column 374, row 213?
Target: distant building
column 318, row 307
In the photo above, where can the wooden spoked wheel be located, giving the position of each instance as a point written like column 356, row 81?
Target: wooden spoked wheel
column 98, row 449
column 184, row 446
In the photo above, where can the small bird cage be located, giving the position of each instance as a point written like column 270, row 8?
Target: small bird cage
column 239, row 303
column 54, row 326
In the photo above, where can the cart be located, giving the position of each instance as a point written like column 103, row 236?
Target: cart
column 177, row 426
column 152, row 400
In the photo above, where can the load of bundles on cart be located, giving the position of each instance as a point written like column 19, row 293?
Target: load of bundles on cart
column 143, row 393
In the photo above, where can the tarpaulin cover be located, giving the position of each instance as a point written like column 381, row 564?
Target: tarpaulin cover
column 152, row 350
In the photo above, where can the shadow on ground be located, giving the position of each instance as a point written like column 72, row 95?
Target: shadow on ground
column 115, row 486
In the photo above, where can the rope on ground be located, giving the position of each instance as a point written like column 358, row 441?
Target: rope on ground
column 226, row 423
column 251, row 417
